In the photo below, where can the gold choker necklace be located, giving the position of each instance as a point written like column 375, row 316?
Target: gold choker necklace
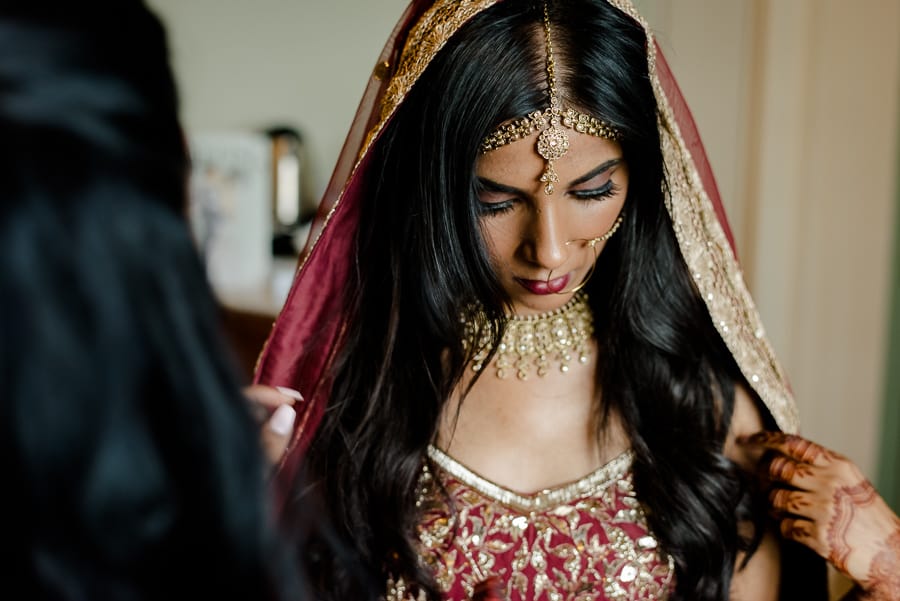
column 532, row 342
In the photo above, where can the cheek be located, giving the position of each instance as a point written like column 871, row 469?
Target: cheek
column 624, row 193
column 598, row 219
column 500, row 240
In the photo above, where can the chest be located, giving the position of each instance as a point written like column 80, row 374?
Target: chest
column 526, row 439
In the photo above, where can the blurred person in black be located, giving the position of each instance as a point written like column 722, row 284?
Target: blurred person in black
column 133, row 463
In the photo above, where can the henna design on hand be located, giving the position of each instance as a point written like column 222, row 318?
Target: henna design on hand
column 847, row 500
column 856, row 513
column 786, row 469
column 797, row 447
column 778, row 498
column 883, row 583
column 806, row 450
column 782, row 468
column 797, row 530
column 786, row 500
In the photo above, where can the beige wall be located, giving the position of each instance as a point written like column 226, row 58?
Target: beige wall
column 796, row 100
column 708, row 46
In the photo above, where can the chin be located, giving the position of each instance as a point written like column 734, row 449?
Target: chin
column 535, row 304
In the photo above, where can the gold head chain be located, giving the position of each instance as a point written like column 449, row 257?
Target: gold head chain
column 553, row 142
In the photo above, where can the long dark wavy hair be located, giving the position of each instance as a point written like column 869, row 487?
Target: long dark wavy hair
column 133, row 468
column 420, row 255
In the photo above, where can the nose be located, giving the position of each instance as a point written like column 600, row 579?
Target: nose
column 545, row 244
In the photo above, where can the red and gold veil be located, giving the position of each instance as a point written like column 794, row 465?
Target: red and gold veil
column 307, row 333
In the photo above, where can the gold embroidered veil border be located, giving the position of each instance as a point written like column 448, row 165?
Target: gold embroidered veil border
column 701, row 237
column 708, row 252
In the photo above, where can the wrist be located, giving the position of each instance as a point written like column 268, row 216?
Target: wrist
column 858, row 593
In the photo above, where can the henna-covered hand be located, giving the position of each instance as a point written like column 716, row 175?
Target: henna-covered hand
column 823, row 501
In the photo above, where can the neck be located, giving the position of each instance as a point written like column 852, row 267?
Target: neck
column 534, row 345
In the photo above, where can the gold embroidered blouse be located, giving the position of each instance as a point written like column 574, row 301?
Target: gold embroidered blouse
column 587, row 540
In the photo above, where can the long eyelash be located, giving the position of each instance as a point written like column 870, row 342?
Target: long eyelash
column 490, row 209
column 607, row 190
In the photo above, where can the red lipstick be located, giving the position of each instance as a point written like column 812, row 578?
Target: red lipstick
column 543, row 286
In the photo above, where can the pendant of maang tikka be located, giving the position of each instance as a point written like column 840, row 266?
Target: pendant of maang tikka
column 534, row 343
column 552, row 144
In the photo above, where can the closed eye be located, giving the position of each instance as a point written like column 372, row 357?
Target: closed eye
column 496, row 208
column 605, row 191
column 494, row 198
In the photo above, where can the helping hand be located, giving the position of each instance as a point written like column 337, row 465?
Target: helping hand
column 275, row 413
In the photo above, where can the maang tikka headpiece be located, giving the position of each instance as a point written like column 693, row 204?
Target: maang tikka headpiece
column 553, row 143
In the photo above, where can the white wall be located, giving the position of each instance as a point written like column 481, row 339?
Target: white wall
column 251, row 64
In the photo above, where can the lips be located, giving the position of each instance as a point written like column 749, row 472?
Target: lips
column 543, row 286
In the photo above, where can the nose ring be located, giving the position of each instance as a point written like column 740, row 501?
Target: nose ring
column 593, row 242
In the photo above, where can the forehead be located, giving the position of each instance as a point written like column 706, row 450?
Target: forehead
column 519, row 165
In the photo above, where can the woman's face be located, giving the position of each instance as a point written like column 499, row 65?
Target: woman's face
column 540, row 244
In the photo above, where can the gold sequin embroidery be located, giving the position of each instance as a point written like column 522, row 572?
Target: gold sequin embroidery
column 583, row 541
column 425, row 40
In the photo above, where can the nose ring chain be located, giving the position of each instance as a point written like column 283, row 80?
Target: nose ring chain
column 593, row 242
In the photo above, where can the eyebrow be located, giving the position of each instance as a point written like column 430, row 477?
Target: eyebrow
column 596, row 171
column 489, row 185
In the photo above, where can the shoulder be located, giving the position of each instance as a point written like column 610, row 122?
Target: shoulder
column 759, row 578
column 746, row 419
